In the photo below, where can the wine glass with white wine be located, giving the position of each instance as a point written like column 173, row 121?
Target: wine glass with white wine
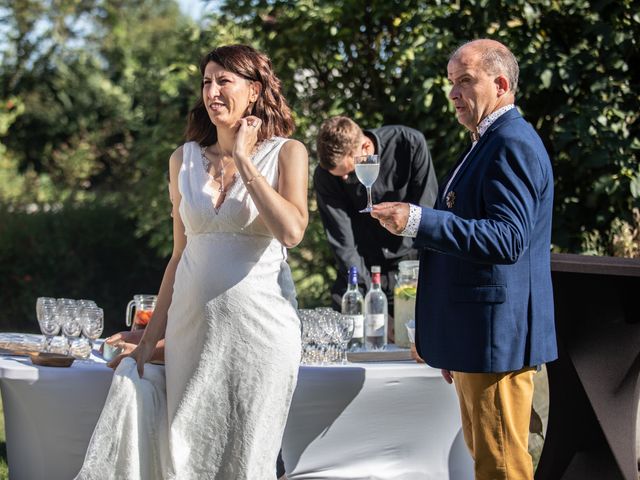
column 367, row 168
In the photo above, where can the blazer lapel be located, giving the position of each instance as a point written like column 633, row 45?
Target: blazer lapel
column 440, row 204
column 505, row 117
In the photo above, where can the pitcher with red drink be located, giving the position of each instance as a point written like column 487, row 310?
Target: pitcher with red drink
column 139, row 311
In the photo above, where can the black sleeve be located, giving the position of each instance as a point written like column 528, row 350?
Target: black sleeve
column 423, row 185
column 338, row 228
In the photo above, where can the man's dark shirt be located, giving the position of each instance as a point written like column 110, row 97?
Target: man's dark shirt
column 406, row 175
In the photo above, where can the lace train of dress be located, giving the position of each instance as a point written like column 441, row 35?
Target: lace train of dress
column 132, row 438
column 232, row 351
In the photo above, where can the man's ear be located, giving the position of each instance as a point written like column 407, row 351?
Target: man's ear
column 366, row 146
column 502, row 85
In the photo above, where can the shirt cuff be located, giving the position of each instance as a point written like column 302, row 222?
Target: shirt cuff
column 411, row 228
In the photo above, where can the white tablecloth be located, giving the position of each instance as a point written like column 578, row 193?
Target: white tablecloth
column 395, row 421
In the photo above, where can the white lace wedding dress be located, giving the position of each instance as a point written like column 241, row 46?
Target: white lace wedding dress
column 232, row 351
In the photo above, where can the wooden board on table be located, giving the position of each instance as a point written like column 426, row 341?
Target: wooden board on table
column 16, row 351
column 47, row 359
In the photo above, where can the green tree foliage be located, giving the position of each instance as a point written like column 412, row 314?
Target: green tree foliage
column 94, row 96
column 71, row 113
column 385, row 62
column 86, row 128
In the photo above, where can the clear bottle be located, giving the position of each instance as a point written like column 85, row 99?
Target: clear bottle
column 353, row 305
column 375, row 314
column 404, row 305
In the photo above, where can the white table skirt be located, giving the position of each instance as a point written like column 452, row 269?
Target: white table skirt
column 395, row 421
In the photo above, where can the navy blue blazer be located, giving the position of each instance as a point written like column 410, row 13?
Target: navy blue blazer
column 485, row 300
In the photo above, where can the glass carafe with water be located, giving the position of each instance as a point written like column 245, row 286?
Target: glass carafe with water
column 139, row 311
column 404, row 300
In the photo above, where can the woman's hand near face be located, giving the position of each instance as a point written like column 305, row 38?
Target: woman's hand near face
column 284, row 208
column 246, row 138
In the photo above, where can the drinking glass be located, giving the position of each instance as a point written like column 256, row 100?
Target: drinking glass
column 82, row 303
column 367, row 168
column 327, row 321
column 92, row 322
column 344, row 326
column 50, row 323
column 65, row 302
column 307, row 317
column 80, row 347
column 41, row 302
column 71, row 327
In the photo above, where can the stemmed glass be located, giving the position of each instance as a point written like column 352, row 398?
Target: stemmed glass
column 327, row 325
column 49, row 321
column 86, row 303
column 42, row 302
column 307, row 317
column 344, row 327
column 367, row 168
column 71, row 327
column 92, row 320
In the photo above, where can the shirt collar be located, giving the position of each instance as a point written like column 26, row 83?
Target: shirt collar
column 375, row 139
column 487, row 121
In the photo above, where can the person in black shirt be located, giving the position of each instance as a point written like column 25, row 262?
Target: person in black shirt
column 406, row 175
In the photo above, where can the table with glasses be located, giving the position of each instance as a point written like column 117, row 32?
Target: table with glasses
column 381, row 420
column 80, row 321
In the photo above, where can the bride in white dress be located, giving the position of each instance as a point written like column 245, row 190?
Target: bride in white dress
column 226, row 303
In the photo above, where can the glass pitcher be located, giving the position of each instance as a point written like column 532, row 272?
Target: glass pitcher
column 404, row 300
column 139, row 311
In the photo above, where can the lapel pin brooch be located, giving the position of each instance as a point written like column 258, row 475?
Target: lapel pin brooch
column 451, row 199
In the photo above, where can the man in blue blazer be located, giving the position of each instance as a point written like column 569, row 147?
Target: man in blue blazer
column 485, row 303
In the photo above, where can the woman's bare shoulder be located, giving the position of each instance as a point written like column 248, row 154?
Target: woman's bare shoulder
column 175, row 160
column 293, row 147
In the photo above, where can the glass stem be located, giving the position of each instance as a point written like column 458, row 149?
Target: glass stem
column 369, row 202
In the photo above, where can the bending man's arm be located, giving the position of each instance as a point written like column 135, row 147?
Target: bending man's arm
column 338, row 228
column 423, row 185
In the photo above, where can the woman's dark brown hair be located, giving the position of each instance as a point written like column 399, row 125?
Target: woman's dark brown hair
column 270, row 107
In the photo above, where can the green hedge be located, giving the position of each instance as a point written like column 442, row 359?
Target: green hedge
column 89, row 252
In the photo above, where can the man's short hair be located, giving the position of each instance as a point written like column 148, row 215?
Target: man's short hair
column 500, row 60
column 337, row 138
column 496, row 59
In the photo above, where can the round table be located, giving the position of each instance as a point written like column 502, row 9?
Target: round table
column 393, row 421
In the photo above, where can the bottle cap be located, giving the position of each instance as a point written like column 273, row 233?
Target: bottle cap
column 353, row 275
column 375, row 269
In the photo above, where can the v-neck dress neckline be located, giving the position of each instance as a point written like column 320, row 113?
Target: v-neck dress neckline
column 210, row 190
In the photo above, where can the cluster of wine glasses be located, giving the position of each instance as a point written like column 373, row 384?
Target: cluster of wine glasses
column 80, row 321
column 325, row 336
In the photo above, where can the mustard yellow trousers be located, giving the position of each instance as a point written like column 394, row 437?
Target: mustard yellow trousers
column 496, row 411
